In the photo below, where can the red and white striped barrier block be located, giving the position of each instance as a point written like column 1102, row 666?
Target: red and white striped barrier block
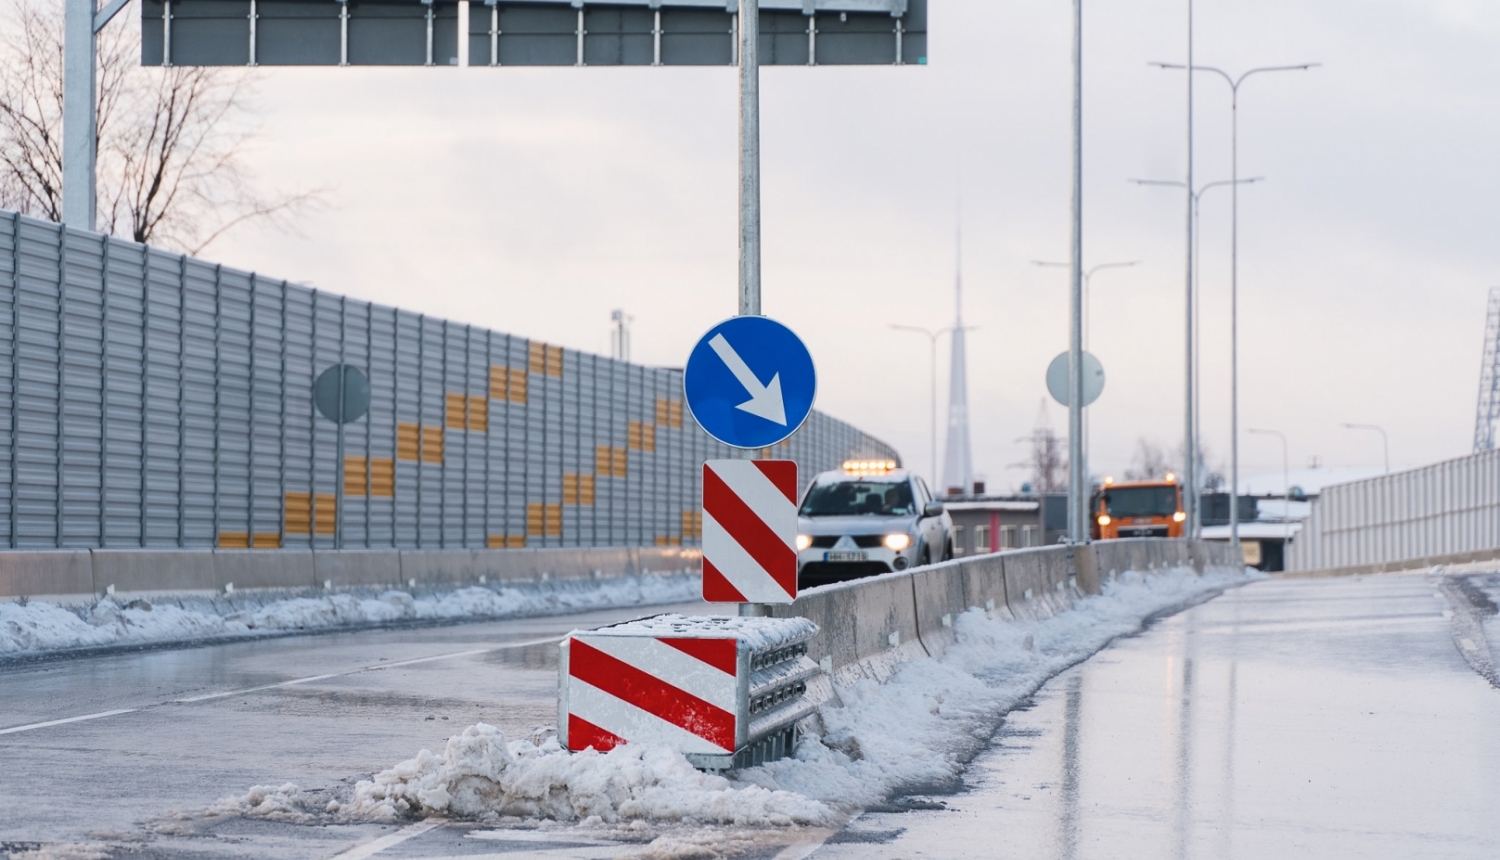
column 725, row 692
column 750, row 531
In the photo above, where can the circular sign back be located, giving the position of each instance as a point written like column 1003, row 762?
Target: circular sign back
column 1093, row 379
column 355, row 389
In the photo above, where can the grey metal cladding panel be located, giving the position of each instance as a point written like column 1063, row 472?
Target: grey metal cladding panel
column 204, row 32
column 693, row 37
column 858, row 40
column 534, row 36
column 388, row 34
column 617, row 37
column 297, row 34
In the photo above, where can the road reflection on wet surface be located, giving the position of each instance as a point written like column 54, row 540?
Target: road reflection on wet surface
column 1292, row 718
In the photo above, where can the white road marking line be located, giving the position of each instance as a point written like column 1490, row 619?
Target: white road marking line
column 460, row 654
column 804, row 848
column 375, row 668
column 370, row 849
column 539, row 836
column 228, row 693
column 292, row 683
column 14, row 729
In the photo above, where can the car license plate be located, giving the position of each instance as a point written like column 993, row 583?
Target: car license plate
column 846, row 556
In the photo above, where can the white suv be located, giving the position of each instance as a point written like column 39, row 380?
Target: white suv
column 866, row 519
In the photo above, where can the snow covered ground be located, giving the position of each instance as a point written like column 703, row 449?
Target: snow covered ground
column 872, row 741
column 36, row 627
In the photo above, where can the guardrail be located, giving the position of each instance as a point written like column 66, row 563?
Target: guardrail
column 61, row 573
column 869, row 626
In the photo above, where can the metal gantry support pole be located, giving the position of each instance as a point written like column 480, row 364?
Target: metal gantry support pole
column 79, row 129
column 82, row 21
column 1078, row 531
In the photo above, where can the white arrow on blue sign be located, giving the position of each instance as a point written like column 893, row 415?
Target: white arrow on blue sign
column 750, row 382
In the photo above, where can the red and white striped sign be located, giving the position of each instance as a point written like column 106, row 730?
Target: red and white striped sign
column 750, row 531
column 618, row 690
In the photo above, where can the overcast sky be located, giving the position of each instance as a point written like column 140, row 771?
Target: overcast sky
column 534, row 201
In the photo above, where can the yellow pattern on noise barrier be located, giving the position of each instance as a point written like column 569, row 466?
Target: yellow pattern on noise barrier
column 543, row 520
column 578, row 489
column 545, row 359
column 299, row 513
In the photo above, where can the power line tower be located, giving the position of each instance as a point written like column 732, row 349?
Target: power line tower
column 1489, row 379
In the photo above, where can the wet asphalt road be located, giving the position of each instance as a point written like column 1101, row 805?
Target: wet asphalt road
column 1318, row 718
column 1322, row 718
column 198, row 724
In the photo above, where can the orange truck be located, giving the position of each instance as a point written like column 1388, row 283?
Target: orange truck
column 1138, row 509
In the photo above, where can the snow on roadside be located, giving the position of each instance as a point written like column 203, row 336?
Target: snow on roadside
column 36, row 626
column 917, row 729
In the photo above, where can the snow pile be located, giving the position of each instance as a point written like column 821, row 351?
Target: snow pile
column 284, row 802
column 35, row 626
column 480, row 774
column 917, row 729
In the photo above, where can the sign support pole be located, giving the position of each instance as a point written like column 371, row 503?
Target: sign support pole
column 749, row 57
column 749, row 281
column 338, row 490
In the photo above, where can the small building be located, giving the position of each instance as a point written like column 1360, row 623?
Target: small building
column 1268, row 526
column 984, row 523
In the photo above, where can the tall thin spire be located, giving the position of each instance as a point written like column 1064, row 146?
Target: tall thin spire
column 958, row 461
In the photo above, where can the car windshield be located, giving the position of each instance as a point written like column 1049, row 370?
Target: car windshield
column 854, row 498
column 1140, row 501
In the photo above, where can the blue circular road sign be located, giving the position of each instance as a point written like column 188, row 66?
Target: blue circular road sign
column 750, row 382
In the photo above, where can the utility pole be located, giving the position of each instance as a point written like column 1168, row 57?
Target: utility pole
column 1190, row 436
column 620, row 337
column 1234, row 256
column 1078, row 530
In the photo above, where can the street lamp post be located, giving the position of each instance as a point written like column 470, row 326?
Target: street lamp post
column 1195, row 521
column 932, row 336
column 1088, row 276
column 1385, row 441
column 1286, row 479
column 1233, row 290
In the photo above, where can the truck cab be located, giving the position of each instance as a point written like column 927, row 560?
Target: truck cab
column 1138, row 509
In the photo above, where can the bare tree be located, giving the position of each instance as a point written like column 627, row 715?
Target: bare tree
column 171, row 142
column 1047, row 462
column 1151, row 461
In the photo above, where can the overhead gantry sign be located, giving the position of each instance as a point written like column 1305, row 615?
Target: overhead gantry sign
column 527, row 32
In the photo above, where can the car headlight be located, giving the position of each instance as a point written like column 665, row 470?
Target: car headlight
column 1179, row 517
column 1104, row 520
column 897, row 542
column 803, row 542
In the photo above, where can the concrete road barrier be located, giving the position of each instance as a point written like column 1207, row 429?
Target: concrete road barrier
column 63, row 573
column 936, row 591
column 858, row 619
column 147, row 570
column 46, row 572
column 255, row 568
column 349, row 567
